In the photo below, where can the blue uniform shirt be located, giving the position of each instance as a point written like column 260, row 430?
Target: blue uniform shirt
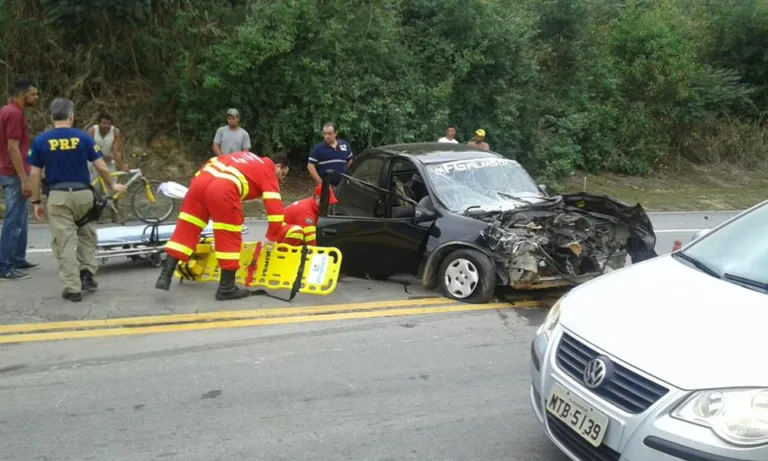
column 64, row 153
column 326, row 158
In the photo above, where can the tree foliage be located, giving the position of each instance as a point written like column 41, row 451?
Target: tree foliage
column 559, row 84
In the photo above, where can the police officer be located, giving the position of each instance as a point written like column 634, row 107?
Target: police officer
column 64, row 153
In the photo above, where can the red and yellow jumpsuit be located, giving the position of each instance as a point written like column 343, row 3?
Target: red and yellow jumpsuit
column 216, row 193
column 304, row 213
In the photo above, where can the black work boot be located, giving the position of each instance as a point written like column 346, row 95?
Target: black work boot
column 74, row 297
column 166, row 273
column 86, row 279
column 227, row 289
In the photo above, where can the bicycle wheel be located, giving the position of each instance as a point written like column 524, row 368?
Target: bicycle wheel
column 151, row 212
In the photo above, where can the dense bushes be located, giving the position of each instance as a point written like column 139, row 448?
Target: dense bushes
column 559, row 84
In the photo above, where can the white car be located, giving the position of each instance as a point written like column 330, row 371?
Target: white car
column 664, row 360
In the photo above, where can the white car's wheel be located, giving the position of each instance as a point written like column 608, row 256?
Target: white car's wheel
column 468, row 275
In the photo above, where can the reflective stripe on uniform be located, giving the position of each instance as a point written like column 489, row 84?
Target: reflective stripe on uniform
column 233, row 171
column 227, row 227
column 271, row 195
column 171, row 245
column 192, row 220
column 294, row 235
column 227, row 255
column 207, row 162
column 275, row 218
column 310, row 230
column 294, row 232
column 310, row 237
column 228, row 176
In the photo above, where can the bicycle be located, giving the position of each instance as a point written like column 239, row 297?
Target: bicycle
column 136, row 175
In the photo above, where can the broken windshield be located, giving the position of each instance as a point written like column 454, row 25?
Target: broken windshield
column 482, row 182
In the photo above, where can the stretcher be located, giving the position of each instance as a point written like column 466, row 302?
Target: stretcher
column 140, row 243
column 274, row 266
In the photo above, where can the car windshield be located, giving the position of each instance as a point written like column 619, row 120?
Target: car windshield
column 737, row 252
column 481, row 182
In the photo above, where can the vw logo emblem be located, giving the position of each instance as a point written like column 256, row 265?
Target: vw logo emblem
column 595, row 372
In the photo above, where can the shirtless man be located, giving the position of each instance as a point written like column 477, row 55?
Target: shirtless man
column 479, row 140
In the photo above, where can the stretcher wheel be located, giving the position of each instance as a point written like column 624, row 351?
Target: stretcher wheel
column 157, row 259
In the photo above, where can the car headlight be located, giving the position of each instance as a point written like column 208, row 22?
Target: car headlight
column 738, row 416
column 553, row 317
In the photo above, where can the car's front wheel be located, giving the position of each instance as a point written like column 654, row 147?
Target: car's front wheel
column 467, row 275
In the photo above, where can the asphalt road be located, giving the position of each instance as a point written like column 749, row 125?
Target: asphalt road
column 446, row 387
column 126, row 287
column 443, row 386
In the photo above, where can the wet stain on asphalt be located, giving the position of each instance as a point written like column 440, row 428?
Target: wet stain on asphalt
column 139, row 406
column 417, row 297
column 534, row 316
column 408, row 325
column 212, row 394
column 11, row 368
column 504, row 317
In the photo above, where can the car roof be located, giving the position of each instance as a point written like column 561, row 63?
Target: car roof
column 435, row 152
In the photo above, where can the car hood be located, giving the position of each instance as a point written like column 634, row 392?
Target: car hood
column 502, row 205
column 674, row 322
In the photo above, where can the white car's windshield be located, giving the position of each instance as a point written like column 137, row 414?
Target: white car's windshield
column 481, row 182
column 737, row 252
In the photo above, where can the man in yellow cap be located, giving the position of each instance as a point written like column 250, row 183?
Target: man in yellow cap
column 478, row 140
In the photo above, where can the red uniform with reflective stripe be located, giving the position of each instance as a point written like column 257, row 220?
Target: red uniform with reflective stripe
column 216, row 193
column 304, row 213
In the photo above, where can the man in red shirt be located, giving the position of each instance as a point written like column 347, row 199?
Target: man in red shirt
column 14, row 179
column 305, row 212
column 216, row 193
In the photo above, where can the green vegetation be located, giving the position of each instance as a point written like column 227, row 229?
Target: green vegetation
column 628, row 87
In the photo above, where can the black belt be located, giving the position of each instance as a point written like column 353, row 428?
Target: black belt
column 69, row 186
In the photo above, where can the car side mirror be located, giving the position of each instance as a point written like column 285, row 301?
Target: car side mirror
column 421, row 215
column 543, row 188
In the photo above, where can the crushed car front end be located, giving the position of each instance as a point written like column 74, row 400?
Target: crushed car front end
column 566, row 240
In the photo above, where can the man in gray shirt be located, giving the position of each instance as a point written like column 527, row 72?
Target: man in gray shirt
column 231, row 138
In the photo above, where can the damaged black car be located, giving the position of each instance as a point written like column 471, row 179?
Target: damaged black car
column 469, row 221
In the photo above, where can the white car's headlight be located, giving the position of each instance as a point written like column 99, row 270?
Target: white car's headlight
column 551, row 321
column 738, row 416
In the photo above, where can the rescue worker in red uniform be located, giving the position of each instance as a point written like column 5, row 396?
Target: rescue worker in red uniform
column 216, row 193
column 305, row 212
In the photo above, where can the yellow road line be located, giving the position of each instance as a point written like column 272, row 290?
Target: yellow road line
column 212, row 316
column 55, row 336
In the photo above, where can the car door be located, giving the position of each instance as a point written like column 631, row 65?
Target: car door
column 361, row 227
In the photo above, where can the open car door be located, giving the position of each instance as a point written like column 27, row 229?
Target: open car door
column 373, row 237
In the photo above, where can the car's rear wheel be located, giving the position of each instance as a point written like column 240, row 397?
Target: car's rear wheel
column 467, row 275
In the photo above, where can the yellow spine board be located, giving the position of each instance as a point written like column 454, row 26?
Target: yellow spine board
column 276, row 267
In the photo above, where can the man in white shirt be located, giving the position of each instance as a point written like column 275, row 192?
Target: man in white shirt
column 231, row 138
column 109, row 138
column 449, row 136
